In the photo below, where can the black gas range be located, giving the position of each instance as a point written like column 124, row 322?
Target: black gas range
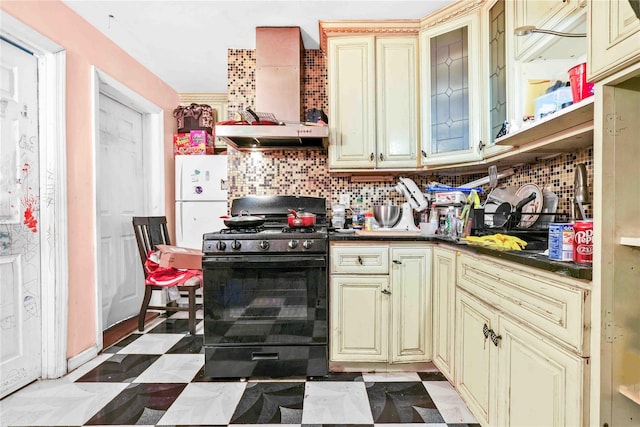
column 265, row 293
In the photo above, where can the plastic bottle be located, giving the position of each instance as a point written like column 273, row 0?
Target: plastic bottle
column 433, row 218
column 450, row 224
column 357, row 220
column 370, row 222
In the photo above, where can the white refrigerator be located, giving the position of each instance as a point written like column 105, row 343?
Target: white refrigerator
column 201, row 197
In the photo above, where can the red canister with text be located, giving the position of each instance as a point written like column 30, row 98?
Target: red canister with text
column 583, row 242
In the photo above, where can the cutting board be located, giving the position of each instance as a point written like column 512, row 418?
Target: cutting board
column 390, row 233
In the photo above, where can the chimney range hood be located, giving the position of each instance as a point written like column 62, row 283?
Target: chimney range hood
column 278, row 80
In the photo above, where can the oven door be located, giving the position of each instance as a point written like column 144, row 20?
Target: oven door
column 265, row 300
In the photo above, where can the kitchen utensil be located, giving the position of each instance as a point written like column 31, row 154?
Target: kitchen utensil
column 493, row 176
column 532, row 210
column 493, row 180
column 580, row 192
column 243, row 220
column 386, row 215
column 301, row 219
column 502, row 214
column 506, row 216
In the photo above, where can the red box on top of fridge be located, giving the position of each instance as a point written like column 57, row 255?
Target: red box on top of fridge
column 194, row 142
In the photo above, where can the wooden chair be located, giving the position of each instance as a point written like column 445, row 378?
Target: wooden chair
column 151, row 231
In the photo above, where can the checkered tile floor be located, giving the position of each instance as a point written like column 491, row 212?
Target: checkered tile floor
column 157, row 378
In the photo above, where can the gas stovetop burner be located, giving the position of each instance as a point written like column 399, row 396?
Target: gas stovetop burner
column 242, row 230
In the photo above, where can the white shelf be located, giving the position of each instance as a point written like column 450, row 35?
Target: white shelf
column 559, row 131
column 630, row 241
column 631, row 391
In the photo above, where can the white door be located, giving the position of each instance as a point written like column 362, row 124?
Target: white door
column 20, row 233
column 121, row 195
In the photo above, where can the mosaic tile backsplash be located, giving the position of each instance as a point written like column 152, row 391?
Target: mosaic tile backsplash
column 307, row 172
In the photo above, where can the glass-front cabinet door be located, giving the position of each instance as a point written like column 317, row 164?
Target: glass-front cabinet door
column 497, row 63
column 451, row 92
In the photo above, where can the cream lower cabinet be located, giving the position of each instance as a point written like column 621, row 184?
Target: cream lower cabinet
column 380, row 303
column 443, row 283
column 521, row 346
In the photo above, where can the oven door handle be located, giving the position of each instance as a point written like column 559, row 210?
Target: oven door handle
column 264, row 261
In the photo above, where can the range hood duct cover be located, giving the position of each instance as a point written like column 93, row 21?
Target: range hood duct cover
column 278, row 79
column 279, row 72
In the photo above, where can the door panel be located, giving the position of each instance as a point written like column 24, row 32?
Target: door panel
column 411, row 296
column 120, row 196
column 474, row 364
column 193, row 219
column 539, row 383
column 20, row 233
column 360, row 318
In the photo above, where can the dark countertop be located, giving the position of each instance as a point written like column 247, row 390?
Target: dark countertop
column 529, row 258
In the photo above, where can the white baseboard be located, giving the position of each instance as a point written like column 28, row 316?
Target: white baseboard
column 82, row 358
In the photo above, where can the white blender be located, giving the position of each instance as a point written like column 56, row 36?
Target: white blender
column 415, row 202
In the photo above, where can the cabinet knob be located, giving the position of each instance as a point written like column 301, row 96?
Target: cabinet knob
column 381, row 157
column 386, row 292
column 371, row 157
column 359, row 260
column 495, row 338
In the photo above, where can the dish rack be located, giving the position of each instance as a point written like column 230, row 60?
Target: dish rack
column 249, row 116
column 529, row 221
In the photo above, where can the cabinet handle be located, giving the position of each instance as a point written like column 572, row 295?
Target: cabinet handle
column 486, row 331
column 359, row 260
column 495, row 338
column 480, row 146
column 396, row 261
column 386, row 292
column 371, row 157
column 381, row 157
column 424, row 154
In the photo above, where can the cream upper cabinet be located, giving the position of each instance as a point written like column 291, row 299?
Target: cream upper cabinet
column 497, row 73
column 557, row 15
column 380, row 314
column 351, row 78
column 521, row 347
column 451, row 91
column 443, row 284
column 614, row 38
column 373, row 102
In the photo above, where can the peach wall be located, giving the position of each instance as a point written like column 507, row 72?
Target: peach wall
column 85, row 47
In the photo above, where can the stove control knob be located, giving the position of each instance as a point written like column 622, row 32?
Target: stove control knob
column 235, row 245
column 264, row 245
column 293, row 244
column 221, row 246
column 307, row 244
